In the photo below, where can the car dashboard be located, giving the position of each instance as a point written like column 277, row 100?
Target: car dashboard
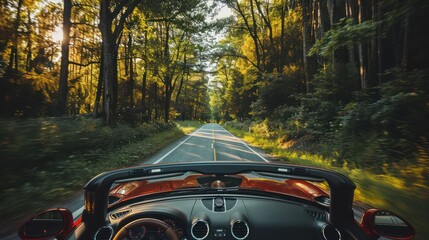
column 225, row 216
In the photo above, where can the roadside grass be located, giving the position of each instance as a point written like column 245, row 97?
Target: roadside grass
column 29, row 189
column 400, row 193
column 188, row 126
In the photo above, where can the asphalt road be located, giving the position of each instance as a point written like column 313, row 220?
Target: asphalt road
column 211, row 142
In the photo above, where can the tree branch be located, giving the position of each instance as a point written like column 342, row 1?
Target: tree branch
column 242, row 57
column 118, row 8
column 74, row 24
column 124, row 16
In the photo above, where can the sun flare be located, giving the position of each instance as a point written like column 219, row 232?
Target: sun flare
column 57, row 35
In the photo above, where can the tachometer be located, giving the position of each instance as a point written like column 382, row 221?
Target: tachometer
column 137, row 233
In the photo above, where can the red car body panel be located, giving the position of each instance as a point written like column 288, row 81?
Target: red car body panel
column 69, row 225
column 368, row 221
column 297, row 188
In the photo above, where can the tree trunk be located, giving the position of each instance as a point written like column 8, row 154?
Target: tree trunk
column 168, row 76
column 109, row 61
column 126, row 58
column 282, row 37
column 13, row 59
column 99, row 85
column 155, row 100
column 29, row 43
column 182, row 80
column 167, row 102
column 65, row 47
column 362, row 57
column 266, row 20
column 252, row 32
column 144, row 80
column 349, row 14
column 110, row 44
column 131, row 73
column 255, row 35
column 144, row 83
column 331, row 5
column 305, row 42
column 379, row 43
column 405, row 43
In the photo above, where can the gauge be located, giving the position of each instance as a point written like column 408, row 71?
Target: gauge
column 137, row 233
column 171, row 223
column 179, row 232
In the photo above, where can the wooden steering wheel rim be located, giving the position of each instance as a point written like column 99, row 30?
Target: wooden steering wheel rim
column 168, row 230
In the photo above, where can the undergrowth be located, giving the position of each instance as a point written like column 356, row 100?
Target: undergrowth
column 403, row 192
column 46, row 161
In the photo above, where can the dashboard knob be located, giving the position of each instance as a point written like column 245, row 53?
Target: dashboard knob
column 218, row 202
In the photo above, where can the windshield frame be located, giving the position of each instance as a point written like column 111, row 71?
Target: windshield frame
column 341, row 187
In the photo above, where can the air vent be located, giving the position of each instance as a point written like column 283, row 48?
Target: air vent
column 239, row 230
column 200, row 229
column 317, row 215
column 330, row 233
column 119, row 214
column 104, row 233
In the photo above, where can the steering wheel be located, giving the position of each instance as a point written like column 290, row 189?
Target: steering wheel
column 168, row 230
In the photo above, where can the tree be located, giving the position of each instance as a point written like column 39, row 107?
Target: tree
column 112, row 23
column 173, row 22
column 65, row 48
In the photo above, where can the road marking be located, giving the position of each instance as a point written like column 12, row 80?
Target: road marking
column 78, row 212
column 213, row 143
column 259, row 155
column 165, row 155
column 214, row 154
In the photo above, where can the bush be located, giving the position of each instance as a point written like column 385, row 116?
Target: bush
column 389, row 127
column 32, row 143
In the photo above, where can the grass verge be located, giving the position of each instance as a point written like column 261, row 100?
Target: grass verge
column 399, row 194
column 26, row 191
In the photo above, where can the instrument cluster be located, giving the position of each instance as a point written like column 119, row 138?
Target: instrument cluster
column 144, row 232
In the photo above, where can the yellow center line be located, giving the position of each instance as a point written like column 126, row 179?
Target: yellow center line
column 213, row 144
column 214, row 154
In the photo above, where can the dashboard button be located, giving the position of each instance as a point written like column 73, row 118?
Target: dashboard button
column 219, row 232
column 218, row 202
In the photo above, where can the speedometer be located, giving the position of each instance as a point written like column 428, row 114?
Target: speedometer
column 173, row 225
column 137, row 233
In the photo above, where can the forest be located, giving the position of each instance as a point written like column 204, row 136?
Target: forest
column 341, row 73
column 110, row 59
column 347, row 80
